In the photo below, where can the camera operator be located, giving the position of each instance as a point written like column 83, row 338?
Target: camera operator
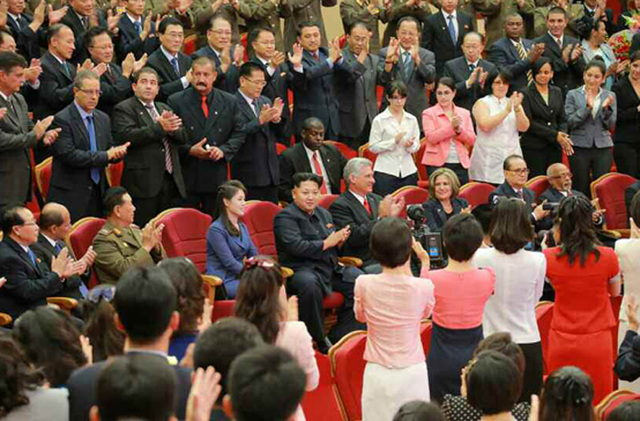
column 443, row 200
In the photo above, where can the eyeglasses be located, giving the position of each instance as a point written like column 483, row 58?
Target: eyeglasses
column 560, row 176
column 256, row 82
column 30, row 223
column 397, row 99
column 91, row 92
column 266, row 42
column 521, row 171
column 221, row 32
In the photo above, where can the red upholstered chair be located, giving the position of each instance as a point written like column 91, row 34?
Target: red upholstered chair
column 43, row 177
column 612, row 401
column 321, row 404
column 538, row 184
column 326, row 200
column 609, row 189
column 189, row 46
column 345, row 150
column 412, row 196
column 347, row 370
column 81, row 237
column 544, row 315
column 114, row 173
column 280, row 148
column 222, row 309
column 423, row 177
column 476, row 193
column 364, row 152
column 426, row 327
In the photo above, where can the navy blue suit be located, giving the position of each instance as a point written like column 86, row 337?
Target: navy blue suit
column 505, row 55
column 437, row 217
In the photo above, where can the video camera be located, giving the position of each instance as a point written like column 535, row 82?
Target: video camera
column 431, row 241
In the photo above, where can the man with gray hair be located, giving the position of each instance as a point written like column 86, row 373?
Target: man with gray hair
column 359, row 209
column 83, row 150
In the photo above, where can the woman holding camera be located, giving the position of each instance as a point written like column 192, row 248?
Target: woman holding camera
column 443, row 200
column 584, row 276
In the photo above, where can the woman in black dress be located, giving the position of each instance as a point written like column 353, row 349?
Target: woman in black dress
column 626, row 139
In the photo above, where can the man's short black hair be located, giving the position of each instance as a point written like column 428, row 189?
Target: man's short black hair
column 462, row 236
column 10, row 60
column 309, row 122
column 409, row 18
column 306, row 24
column 255, row 34
column 300, row 177
column 557, row 10
column 140, row 386
column 247, row 69
column 164, row 23
column 509, row 160
column 11, row 218
column 145, row 300
column 356, row 24
column 265, row 384
column 145, row 70
column 222, row 343
column 112, row 198
column 94, row 32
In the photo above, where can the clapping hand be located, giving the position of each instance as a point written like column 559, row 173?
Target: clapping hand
column 296, row 58
column 421, row 253
column 3, row 281
column 50, row 136
column 55, row 16
column 205, row 389
column 169, row 121
column 456, row 123
column 41, row 126
column 238, row 55
column 399, row 136
column 277, row 59
column 608, row 102
column 336, row 238
column 334, row 50
column 482, row 78
column 516, row 100
column 473, row 77
column 632, row 313
column 116, row 153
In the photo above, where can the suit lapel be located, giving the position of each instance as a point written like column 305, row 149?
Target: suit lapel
column 444, row 25
column 215, row 109
column 23, row 254
column 142, row 111
column 11, row 116
column 554, row 47
column 302, row 158
column 245, row 107
column 77, row 119
column 359, row 207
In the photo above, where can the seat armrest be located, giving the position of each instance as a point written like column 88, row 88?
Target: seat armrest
column 5, row 319
column 212, row 281
column 352, row 261
column 286, row 272
column 65, row 303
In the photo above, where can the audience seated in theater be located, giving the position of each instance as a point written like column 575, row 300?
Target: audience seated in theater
column 195, row 312
column 626, row 145
column 28, row 281
column 519, row 282
column 146, row 311
column 567, row 394
column 218, row 347
column 449, row 132
column 264, row 383
column 24, row 391
column 483, row 214
column 136, row 31
column 394, row 354
column 52, row 342
column 311, row 155
column 584, row 275
column 100, row 325
column 500, row 120
column 262, row 300
column 457, row 408
column 359, row 209
column 457, row 318
column 444, row 201
column 419, row 411
column 395, row 135
column 120, row 244
column 308, row 242
column 626, row 411
column 228, row 239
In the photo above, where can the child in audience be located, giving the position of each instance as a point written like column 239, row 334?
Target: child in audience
column 419, row 411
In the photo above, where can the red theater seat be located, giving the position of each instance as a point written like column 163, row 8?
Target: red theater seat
column 346, row 151
column 476, row 193
column 326, row 200
column 321, row 404
column 609, row 189
column 81, row 237
column 538, row 184
column 364, row 152
column 412, row 196
column 114, row 173
column 426, row 327
column 614, row 400
column 43, row 177
column 347, row 369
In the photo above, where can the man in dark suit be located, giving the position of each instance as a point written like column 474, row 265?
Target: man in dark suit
column 356, row 81
column 173, row 66
column 152, row 172
column 226, row 56
column 17, row 133
column 629, row 193
column 470, row 72
column 82, row 151
column 444, row 31
column 256, row 162
column 311, row 155
column 405, row 60
column 307, row 242
column 313, row 82
column 514, row 53
column 359, row 208
column 80, row 17
column 564, row 51
column 594, row 10
column 214, row 129
column 29, row 282
column 28, row 29
column 146, row 312
column 114, row 81
column 136, row 33
column 276, row 73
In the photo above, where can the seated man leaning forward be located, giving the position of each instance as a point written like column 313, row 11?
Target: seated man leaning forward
column 121, row 244
column 307, row 242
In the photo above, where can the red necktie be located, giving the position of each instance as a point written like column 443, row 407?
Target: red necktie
column 318, row 169
column 205, row 107
column 367, row 206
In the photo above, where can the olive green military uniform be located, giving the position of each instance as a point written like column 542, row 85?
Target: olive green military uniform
column 352, row 11
column 399, row 9
column 118, row 249
column 575, row 12
column 264, row 14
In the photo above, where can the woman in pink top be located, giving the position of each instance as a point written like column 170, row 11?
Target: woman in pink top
column 461, row 292
column 393, row 304
column 262, row 300
column 449, row 132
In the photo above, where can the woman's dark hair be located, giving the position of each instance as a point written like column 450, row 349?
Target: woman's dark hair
column 390, row 242
column 17, row 376
column 106, row 339
column 505, row 75
column 567, row 395
column 258, row 297
column 537, row 65
column 419, row 411
column 494, row 383
column 577, row 232
column 397, row 86
column 598, row 63
column 462, row 236
column 627, row 411
column 227, row 190
column 187, row 281
column 635, row 56
column 510, row 228
column 589, row 29
column 448, row 82
column 634, row 209
column 50, row 341
column 501, row 342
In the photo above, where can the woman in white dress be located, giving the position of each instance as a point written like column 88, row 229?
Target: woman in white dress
column 498, row 120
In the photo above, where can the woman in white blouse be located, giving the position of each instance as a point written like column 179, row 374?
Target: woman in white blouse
column 498, row 119
column 518, row 288
column 395, row 135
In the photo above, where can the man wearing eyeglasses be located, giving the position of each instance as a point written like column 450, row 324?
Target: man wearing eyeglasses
column 83, row 150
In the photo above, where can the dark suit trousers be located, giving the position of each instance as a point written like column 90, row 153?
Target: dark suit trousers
column 94, row 206
column 355, row 143
column 264, row 193
column 587, row 164
column 627, row 157
column 149, row 207
column 387, row 184
column 538, row 160
column 461, row 172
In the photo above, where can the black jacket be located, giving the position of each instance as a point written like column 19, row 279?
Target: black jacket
column 627, row 365
column 628, row 120
column 629, row 193
column 505, row 55
column 458, row 70
column 437, row 217
column 170, row 82
column 505, row 190
column 114, row 88
column 436, row 38
column 545, row 120
column 56, row 86
column 129, row 40
column 566, row 76
column 229, row 81
column 45, row 252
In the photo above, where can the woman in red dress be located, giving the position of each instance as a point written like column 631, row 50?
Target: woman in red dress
column 583, row 275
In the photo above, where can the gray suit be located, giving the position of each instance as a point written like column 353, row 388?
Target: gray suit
column 419, row 77
column 356, row 92
column 16, row 138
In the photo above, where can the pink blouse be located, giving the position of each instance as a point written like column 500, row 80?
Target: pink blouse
column 393, row 306
column 439, row 134
column 461, row 296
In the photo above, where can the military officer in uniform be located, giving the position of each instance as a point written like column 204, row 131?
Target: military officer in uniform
column 121, row 244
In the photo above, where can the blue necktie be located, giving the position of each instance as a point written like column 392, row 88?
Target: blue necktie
column 138, row 26
column 407, row 65
column 174, row 63
column 452, row 30
column 32, row 257
column 57, row 248
column 95, row 172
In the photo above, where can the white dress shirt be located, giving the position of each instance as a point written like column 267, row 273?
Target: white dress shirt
column 324, row 174
column 455, row 22
column 169, row 56
column 394, row 158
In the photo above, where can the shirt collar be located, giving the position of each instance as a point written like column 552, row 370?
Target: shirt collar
column 309, row 151
column 15, row 17
column 246, row 98
column 82, row 112
column 446, row 15
column 361, row 199
column 556, row 39
column 61, row 61
column 475, row 63
column 134, row 20
column 167, row 54
column 6, row 98
column 51, row 241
